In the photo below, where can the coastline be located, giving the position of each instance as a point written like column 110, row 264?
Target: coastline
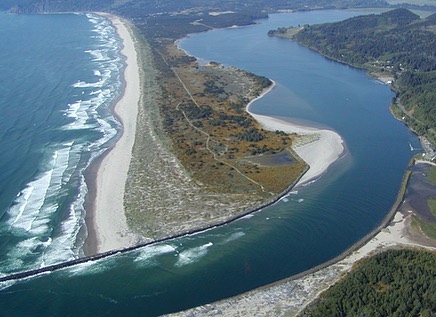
column 275, row 122
column 292, row 295
column 107, row 223
column 289, row 297
column 319, row 148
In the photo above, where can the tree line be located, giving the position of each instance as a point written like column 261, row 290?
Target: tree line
column 392, row 283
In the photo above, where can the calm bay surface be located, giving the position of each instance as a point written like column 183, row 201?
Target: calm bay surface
column 308, row 227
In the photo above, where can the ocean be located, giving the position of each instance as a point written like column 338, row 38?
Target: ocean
column 58, row 120
column 59, row 76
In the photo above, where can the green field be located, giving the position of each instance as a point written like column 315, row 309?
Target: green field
column 431, row 175
column 428, row 228
column 432, row 206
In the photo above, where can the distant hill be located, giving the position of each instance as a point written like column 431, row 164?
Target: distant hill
column 397, row 39
column 147, row 7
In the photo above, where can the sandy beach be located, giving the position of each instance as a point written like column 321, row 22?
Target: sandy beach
column 109, row 221
column 319, row 148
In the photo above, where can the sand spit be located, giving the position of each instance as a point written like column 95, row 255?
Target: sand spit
column 162, row 198
column 158, row 182
column 319, row 148
column 110, row 223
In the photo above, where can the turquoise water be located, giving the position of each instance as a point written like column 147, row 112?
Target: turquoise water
column 312, row 224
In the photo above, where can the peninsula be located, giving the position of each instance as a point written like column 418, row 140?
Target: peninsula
column 191, row 146
column 210, row 160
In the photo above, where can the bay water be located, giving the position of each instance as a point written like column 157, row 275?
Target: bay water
column 313, row 224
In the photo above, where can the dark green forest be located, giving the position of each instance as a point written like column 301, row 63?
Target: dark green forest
column 390, row 41
column 396, row 42
column 392, row 283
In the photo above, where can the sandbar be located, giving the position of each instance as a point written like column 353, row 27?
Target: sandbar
column 319, row 148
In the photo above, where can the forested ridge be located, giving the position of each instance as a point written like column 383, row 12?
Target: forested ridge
column 392, row 283
column 148, row 7
column 396, row 43
column 172, row 19
column 394, row 40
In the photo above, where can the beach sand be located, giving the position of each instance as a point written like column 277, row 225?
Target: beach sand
column 319, row 148
column 109, row 221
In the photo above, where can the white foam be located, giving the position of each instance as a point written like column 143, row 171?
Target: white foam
column 147, row 255
column 20, row 203
column 193, row 255
column 90, row 267
column 98, row 55
column 79, row 111
column 108, row 131
column 234, row 236
column 72, row 110
column 82, row 84
column 62, row 247
column 26, row 207
column 36, row 206
column 96, row 92
column 7, row 284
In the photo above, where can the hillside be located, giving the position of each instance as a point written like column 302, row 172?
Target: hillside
column 395, row 44
column 150, row 7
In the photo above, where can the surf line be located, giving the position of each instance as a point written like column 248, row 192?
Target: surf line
column 67, row 264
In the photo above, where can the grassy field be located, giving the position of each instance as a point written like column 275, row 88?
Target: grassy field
column 431, row 175
column 432, row 206
column 428, row 228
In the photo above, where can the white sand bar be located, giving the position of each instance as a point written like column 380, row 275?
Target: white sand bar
column 110, row 222
column 319, row 148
